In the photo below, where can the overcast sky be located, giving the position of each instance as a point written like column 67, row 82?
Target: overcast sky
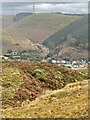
column 45, row 0
column 76, row 8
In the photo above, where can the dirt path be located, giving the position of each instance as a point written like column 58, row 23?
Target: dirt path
column 68, row 87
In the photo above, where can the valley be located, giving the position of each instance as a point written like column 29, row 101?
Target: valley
column 44, row 66
column 50, row 30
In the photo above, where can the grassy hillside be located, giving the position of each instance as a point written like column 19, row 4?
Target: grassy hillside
column 14, row 42
column 10, row 41
column 7, row 20
column 26, row 81
column 74, row 35
column 69, row 102
column 40, row 26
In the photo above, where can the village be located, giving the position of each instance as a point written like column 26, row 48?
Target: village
column 15, row 57
column 71, row 64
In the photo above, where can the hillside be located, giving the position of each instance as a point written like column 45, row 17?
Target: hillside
column 23, row 80
column 7, row 20
column 64, row 35
column 40, row 26
column 70, row 41
column 69, row 102
column 14, row 42
column 10, row 41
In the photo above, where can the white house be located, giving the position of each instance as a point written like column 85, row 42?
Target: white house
column 54, row 61
column 75, row 65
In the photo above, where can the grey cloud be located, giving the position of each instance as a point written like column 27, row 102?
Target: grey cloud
column 68, row 8
column 45, row 0
column 47, row 7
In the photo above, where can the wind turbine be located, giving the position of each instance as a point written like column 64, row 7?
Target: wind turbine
column 33, row 9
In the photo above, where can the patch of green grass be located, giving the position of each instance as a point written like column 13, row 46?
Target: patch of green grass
column 11, row 82
column 39, row 73
column 83, row 71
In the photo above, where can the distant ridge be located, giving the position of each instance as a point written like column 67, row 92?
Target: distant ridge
column 20, row 16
